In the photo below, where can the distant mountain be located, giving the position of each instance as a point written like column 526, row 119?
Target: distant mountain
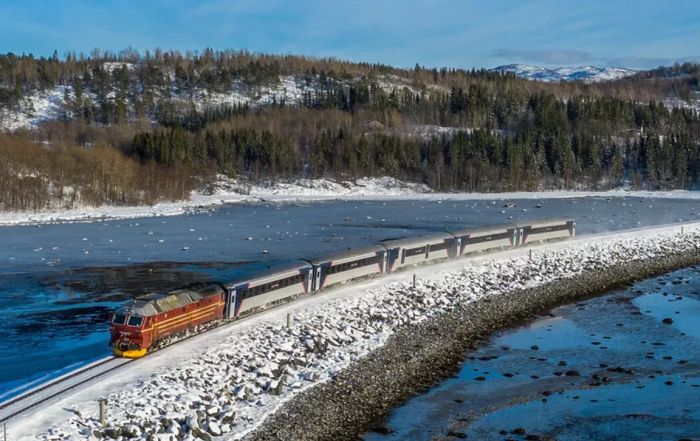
column 588, row 74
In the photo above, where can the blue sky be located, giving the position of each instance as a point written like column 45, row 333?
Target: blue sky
column 454, row 33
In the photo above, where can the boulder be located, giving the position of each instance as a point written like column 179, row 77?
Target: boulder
column 213, row 428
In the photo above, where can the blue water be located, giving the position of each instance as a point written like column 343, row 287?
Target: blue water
column 508, row 384
column 55, row 297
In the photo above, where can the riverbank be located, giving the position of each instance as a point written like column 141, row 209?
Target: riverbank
column 227, row 191
column 624, row 365
column 416, row 357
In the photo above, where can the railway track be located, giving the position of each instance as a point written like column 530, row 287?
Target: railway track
column 56, row 387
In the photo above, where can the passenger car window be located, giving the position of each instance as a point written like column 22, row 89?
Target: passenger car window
column 119, row 319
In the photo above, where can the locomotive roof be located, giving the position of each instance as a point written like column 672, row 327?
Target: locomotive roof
column 360, row 251
column 417, row 240
column 157, row 303
column 267, row 272
column 484, row 229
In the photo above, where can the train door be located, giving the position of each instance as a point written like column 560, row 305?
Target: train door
column 385, row 266
column 317, row 282
column 457, row 248
column 393, row 257
column 307, row 274
column 229, row 309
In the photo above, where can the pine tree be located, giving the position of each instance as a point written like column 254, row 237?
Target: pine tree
column 618, row 168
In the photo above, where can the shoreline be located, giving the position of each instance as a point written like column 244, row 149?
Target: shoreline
column 209, row 202
column 416, row 357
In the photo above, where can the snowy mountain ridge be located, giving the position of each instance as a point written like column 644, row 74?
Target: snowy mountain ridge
column 588, row 74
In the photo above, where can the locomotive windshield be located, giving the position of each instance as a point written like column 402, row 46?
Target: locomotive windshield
column 135, row 321
column 119, row 319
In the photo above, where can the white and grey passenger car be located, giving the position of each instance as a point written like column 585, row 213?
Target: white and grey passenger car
column 250, row 293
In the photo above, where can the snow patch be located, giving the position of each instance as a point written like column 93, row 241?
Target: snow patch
column 588, row 74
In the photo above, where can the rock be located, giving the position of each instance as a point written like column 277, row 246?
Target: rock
column 192, row 422
column 113, row 432
column 382, row 430
column 199, row 433
column 97, row 434
column 458, row 435
column 667, row 321
column 131, row 431
column 572, row 374
column 535, row 348
column 481, row 378
column 519, row 431
column 213, row 428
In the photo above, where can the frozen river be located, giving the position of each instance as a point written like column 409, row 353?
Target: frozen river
column 59, row 282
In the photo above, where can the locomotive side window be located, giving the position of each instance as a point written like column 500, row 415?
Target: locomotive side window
column 135, row 321
column 119, row 319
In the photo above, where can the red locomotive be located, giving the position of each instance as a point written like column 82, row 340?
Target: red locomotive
column 137, row 325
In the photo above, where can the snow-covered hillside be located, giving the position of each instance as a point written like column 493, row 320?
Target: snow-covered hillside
column 50, row 104
column 589, row 74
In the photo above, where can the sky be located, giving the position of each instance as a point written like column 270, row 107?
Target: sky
column 634, row 34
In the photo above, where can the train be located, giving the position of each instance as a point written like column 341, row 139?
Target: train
column 143, row 323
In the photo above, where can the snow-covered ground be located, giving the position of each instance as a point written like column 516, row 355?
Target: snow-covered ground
column 35, row 108
column 693, row 104
column 227, row 381
column 231, row 191
column 589, row 74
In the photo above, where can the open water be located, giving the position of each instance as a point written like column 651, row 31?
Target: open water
column 622, row 366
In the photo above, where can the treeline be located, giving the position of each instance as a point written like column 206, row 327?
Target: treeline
column 581, row 143
column 33, row 178
column 103, row 87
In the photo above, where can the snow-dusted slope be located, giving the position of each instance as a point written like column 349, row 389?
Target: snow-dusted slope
column 38, row 106
column 589, row 74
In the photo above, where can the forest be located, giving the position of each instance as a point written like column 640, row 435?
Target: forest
column 139, row 128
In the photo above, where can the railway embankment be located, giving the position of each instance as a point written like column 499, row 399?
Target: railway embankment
column 349, row 358
column 417, row 356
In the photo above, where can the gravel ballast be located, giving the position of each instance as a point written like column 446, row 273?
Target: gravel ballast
column 418, row 356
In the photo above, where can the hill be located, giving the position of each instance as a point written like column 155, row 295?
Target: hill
column 138, row 128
